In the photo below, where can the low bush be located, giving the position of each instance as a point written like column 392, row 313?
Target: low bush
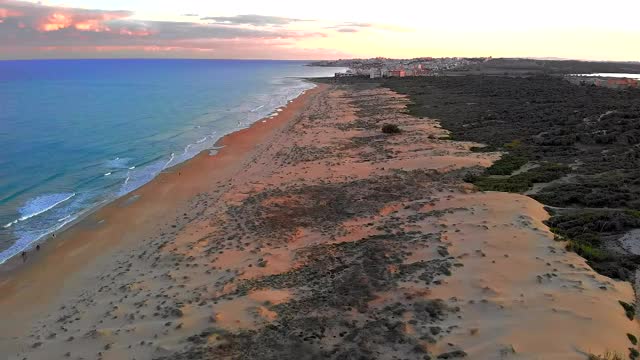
column 588, row 225
column 390, row 129
column 629, row 309
column 521, row 182
column 507, row 165
column 586, row 250
column 483, row 149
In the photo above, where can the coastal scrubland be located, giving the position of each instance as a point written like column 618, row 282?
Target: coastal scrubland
column 581, row 142
column 513, row 66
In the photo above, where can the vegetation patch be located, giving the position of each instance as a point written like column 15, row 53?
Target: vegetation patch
column 586, row 250
column 547, row 120
column 585, row 229
column 483, row 149
column 336, row 282
column 612, row 189
column 609, row 355
column 517, row 183
column 629, row 309
column 507, row 165
column 391, row 129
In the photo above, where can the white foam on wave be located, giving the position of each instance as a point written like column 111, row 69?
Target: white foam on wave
column 21, row 246
column 8, row 225
column 64, row 218
column 117, row 163
column 107, row 174
column 131, row 168
column 186, row 149
column 258, row 108
column 42, row 204
column 173, row 155
column 202, row 140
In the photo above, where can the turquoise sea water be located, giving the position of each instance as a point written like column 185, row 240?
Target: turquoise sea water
column 77, row 133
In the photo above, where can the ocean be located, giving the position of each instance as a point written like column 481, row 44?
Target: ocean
column 75, row 134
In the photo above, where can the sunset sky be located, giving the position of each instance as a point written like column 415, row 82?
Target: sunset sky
column 328, row 29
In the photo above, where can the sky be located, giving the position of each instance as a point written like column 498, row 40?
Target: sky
column 327, row 29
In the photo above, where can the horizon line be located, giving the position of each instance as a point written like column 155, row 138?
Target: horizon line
column 318, row 60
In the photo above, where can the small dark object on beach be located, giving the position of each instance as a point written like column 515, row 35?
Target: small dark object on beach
column 38, row 247
column 24, row 256
column 390, row 129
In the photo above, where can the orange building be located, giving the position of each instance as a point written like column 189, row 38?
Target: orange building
column 397, row 73
column 621, row 83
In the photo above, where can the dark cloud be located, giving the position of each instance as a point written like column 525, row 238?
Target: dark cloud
column 254, row 20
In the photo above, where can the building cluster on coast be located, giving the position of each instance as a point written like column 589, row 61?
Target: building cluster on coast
column 608, row 82
column 383, row 67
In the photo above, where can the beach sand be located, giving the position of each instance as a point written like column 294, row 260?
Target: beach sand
column 314, row 235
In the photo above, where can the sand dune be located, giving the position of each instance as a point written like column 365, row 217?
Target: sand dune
column 321, row 238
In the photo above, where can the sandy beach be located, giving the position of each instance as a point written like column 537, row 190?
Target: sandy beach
column 314, row 235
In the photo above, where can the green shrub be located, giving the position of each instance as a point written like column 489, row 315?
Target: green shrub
column 507, row 165
column 633, row 339
column 513, row 185
column 518, row 183
column 482, row 149
column 586, row 250
column 634, row 213
column 513, row 144
column 629, row 309
column 390, row 129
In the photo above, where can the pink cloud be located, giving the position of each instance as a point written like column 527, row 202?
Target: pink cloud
column 5, row 13
column 45, row 18
column 30, row 29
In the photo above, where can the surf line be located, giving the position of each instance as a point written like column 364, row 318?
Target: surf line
column 173, row 155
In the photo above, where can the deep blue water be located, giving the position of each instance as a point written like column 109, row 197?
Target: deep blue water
column 77, row 133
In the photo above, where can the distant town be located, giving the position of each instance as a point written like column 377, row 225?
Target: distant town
column 602, row 74
column 384, row 67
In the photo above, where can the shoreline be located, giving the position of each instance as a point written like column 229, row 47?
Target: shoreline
column 15, row 260
column 87, row 236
